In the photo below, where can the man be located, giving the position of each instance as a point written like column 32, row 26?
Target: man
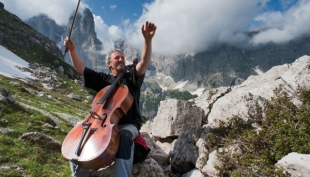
column 130, row 124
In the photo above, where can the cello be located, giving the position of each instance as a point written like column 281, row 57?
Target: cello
column 93, row 143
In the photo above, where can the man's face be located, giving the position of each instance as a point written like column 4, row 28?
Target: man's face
column 117, row 61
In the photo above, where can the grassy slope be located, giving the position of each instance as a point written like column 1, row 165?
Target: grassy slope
column 36, row 159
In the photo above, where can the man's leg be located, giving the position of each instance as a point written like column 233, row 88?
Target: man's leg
column 124, row 155
column 81, row 172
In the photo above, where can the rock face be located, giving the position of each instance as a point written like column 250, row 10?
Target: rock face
column 86, row 41
column 229, row 65
column 15, row 31
column 296, row 164
column 178, row 116
column 84, row 36
column 1, row 6
column 177, row 136
column 188, row 151
column 47, row 27
column 258, row 89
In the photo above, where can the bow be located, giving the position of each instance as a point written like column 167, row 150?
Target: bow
column 73, row 23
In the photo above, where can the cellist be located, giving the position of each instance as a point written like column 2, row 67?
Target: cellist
column 130, row 124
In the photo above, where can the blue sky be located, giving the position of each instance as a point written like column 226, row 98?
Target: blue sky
column 279, row 5
column 114, row 12
column 183, row 26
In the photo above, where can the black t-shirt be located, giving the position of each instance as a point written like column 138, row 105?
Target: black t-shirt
column 98, row 80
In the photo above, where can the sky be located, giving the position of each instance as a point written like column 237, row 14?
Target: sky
column 183, row 26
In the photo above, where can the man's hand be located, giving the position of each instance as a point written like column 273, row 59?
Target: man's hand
column 148, row 30
column 68, row 43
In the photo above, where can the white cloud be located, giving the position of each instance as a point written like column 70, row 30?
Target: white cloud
column 112, row 7
column 186, row 26
column 286, row 26
column 107, row 34
column 59, row 10
column 270, row 18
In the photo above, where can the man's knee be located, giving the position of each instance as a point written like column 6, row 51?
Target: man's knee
column 125, row 145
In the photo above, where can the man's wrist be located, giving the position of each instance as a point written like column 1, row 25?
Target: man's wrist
column 70, row 49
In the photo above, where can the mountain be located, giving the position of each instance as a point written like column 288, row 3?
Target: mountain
column 86, row 41
column 222, row 65
column 243, row 130
column 84, row 36
column 227, row 65
column 47, row 27
column 16, row 35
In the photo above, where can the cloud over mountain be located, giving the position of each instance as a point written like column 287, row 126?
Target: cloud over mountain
column 187, row 26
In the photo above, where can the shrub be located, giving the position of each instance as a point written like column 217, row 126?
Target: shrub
column 284, row 129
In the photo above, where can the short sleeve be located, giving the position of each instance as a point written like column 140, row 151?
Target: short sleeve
column 95, row 80
column 138, row 80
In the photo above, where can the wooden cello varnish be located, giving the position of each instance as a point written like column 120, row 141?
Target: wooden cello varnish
column 98, row 147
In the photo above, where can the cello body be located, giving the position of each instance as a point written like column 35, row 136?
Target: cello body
column 99, row 130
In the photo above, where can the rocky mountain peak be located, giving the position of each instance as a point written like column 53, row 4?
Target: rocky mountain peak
column 84, row 36
column 85, row 39
column 221, row 65
column 15, row 32
column 1, row 5
column 47, row 27
column 84, row 29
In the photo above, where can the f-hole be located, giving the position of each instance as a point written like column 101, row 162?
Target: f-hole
column 105, row 115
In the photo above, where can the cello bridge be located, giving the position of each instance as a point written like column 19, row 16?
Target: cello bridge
column 94, row 115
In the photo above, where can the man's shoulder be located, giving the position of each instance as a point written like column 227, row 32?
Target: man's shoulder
column 91, row 71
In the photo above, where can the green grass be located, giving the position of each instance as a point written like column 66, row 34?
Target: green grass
column 32, row 159
column 36, row 159
column 60, row 101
